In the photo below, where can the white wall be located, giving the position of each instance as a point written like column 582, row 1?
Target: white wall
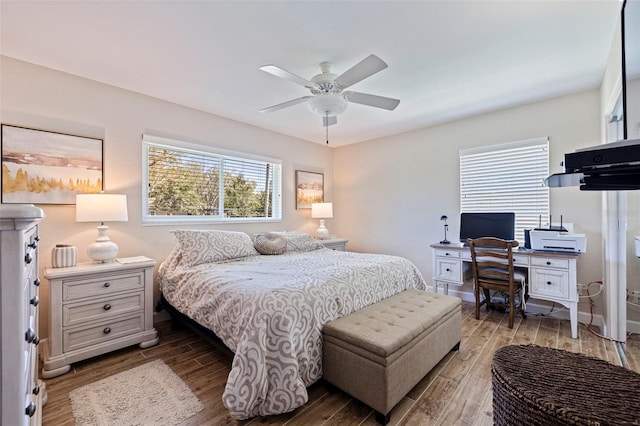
column 389, row 193
column 41, row 98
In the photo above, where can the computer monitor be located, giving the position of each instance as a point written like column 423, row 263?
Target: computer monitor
column 487, row 224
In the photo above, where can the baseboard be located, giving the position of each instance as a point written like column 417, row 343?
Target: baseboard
column 535, row 307
column 633, row 327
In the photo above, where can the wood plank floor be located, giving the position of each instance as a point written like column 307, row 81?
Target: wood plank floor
column 456, row 392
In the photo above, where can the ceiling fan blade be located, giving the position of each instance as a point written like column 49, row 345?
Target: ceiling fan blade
column 286, row 104
column 371, row 100
column 279, row 72
column 365, row 68
column 329, row 121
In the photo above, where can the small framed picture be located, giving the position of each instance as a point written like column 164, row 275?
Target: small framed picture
column 309, row 189
column 40, row 167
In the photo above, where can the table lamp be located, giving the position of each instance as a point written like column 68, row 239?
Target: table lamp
column 322, row 211
column 101, row 208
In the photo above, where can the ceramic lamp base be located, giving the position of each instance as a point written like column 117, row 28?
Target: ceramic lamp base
column 103, row 250
column 322, row 233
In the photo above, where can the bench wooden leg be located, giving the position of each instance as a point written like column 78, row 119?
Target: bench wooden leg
column 383, row 419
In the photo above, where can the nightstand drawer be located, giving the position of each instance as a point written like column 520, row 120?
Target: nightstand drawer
column 80, row 338
column 101, row 285
column 78, row 313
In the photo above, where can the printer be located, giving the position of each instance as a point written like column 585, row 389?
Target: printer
column 555, row 237
column 554, row 240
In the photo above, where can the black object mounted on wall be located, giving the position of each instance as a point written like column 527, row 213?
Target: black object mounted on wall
column 446, row 227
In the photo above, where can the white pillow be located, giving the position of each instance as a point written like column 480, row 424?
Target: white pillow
column 300, row 241
column 270, row 243
column 198, row 247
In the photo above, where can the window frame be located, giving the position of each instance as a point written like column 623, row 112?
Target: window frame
column 528, row 221
column 179, row 145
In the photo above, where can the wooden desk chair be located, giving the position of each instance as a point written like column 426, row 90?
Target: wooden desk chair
column 492, row 264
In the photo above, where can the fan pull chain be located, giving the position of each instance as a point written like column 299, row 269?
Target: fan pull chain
column 326, row 125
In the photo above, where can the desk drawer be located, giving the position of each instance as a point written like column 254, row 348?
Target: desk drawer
column 448, row 253
column 449, row 269
column 549, row 282
column 550, row 262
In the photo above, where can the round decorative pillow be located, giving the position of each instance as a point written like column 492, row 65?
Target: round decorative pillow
column 270, row 243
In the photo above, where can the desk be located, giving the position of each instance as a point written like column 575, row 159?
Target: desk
column 551, row 276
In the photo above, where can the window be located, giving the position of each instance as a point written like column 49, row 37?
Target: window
column 184, row 182
column 507, row 178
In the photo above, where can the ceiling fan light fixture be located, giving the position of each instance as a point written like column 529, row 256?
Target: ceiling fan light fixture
column 327, row 105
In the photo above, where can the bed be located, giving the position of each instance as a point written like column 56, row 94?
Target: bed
column 269, row 309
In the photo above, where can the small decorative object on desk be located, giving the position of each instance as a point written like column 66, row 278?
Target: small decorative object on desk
column 446, row 227
column 64, row 256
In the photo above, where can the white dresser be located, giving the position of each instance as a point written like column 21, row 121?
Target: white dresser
column 97, row 308
column 22, row 393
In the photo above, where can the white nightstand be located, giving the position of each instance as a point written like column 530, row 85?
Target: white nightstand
column 97, row 308
column 339, row 244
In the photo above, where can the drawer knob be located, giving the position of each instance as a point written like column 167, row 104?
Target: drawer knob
column 29, row 335
column 33, row 245
column 548, row 262
column 36, row 340
column 106, row 307
column 31, row 409
column 36, row 390
column 107, row 284
column 106, row 330
column 28, row 258
column 447, row 254
column 549, row 283
column 35, row 300
column 36, row 282
column 37, row 238
column 448, row 270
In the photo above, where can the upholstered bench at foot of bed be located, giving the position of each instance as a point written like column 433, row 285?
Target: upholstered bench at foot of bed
column 378, row 354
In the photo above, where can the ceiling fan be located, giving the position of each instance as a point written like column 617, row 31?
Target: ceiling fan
column 327, row 97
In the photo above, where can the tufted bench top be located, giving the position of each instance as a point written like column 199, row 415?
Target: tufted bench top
column 392, row 324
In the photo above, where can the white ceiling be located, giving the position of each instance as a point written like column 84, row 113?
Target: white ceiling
column 447, row 59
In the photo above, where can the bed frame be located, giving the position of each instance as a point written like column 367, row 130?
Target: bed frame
column 181, row 320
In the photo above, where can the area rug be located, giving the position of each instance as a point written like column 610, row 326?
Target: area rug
column 150, row 394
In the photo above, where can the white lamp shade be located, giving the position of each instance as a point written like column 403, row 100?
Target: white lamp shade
column 321, row 210
column 101, row 208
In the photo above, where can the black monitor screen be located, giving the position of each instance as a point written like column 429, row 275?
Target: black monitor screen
column 478, row 225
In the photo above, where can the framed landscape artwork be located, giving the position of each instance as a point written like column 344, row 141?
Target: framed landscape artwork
column 40, row 167
column 309, row 189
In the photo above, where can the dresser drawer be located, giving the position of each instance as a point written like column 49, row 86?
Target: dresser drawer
column 96, row 310
column 82, row 337
column 549, row 282
column 550, row 262
column 101, row 285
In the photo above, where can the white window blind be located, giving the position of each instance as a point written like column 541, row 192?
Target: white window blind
column 507, row 178
column 186, row 182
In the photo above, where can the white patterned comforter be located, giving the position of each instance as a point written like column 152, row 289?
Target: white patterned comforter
column 269, row 310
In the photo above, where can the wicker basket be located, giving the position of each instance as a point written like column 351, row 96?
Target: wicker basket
column 535, row 385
